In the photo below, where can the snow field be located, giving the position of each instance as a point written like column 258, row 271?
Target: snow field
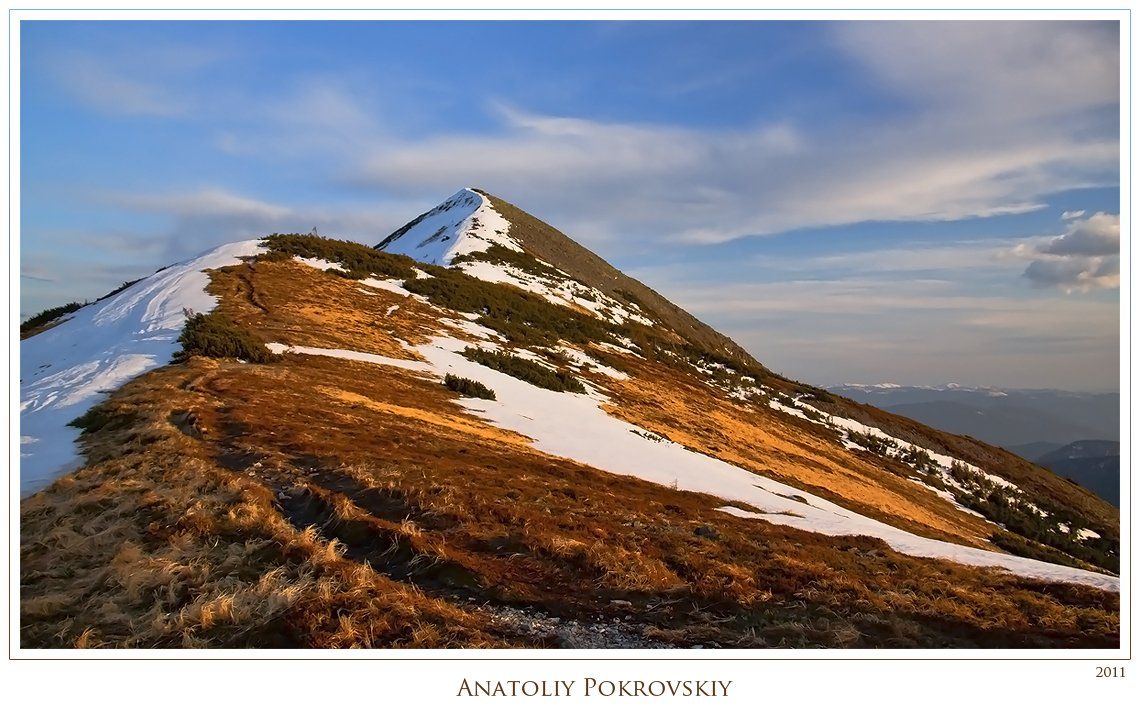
column 67, row 370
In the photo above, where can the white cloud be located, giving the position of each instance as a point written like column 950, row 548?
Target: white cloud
column 1072, row 214
column 111, row 91
column 1011, row 70
column 206, row 202
column 1085, row 257
column 675, row 184
column 1098, row 235
column 1075, row 274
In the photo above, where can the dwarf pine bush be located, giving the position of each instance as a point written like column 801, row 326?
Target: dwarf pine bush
column 516, row 314
column 872, row 442
column 359, row 261
column 212, row 335
column 48, row 316
column 468, row 387
column 526, row 370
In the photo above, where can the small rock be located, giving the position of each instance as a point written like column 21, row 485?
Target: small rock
column 707, row 532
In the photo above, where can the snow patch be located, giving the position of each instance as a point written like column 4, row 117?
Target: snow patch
column 473, row 329
column 389, row 285
column 320, row 264
column 581, row 360
column 462, row 224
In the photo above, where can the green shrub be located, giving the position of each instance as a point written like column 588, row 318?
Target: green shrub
column 964, row 474
column 700, row 356
column 872, row 443
column 101, row 417
column 1041, row 535
column 213, row 335
column 359, row 261
column 920, row 459
column 813, row 415
column 516, row 314
column 526, row 370
column 48, row 316
column 500, row 255
column 468, row 387
column 1022, row 547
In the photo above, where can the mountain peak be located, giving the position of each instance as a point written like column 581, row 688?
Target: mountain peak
column 491, row 239
column 463, row 224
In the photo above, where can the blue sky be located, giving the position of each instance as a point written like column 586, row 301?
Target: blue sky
column 910, row 202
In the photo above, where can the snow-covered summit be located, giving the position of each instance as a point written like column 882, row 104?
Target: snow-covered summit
column 461, row 225
column 467, row 223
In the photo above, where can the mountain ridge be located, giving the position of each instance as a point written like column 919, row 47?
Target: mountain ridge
column 613, row 461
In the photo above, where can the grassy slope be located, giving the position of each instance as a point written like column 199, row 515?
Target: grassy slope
column 190, row 526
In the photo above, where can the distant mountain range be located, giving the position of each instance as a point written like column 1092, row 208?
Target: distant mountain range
column 1074, row 434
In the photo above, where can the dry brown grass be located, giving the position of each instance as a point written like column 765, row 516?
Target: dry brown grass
column 157, row 545
column 288, row 302
column 167, row 539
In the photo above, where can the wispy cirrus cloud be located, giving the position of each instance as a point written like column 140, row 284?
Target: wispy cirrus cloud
column 691, row 186
column 970, row 142
column 147, row 79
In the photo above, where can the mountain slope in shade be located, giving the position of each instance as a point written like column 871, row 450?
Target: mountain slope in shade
column 1094, row 464
column 620, row 465
column 1033, row 450
column 1083, row 449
